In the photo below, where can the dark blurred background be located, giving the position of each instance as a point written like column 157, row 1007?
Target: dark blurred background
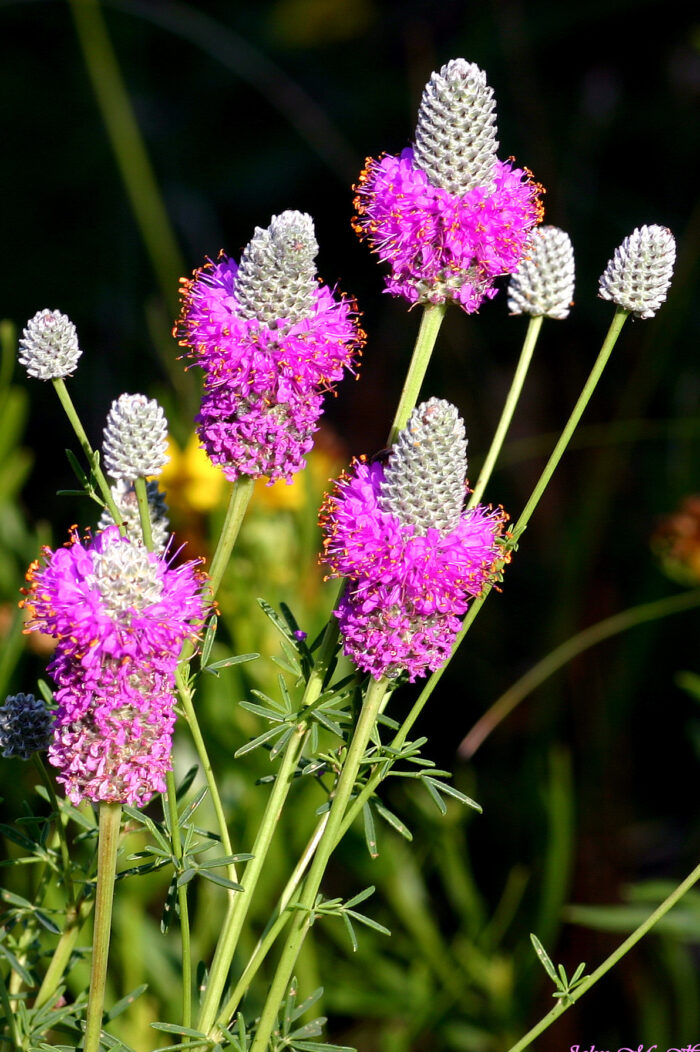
column 249, row 109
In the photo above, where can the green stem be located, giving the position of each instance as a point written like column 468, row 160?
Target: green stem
column 75, row 917
column 93, row 464
column 302, row 922
column 60, row 827
column 427, row 334
column 533, row 331
column 185, row 696
column 110, row 818
column 609, row 962
column 238, row 909
column 614, row 331
column 275, row 925
column 564, row 653
column 144, row 512
column 171, row 798
column 619, row 319
column 129, row 148
column 241, row 492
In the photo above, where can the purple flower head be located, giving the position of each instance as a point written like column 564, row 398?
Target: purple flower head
column 447, row 215
column 271, row 342
column 120, row 615
column 413, row 557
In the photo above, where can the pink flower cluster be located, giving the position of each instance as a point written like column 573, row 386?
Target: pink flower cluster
column 263, row 383
column 120, row 615
column 407, row 592
column 442, row 246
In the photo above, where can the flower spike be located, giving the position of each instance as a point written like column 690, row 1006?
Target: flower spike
column 447, row 215
column 135, row 439
column 271, row 341
column 25, row 726
column 48, row 347
column 638, row 276
column 543, row 284
column 413, row 557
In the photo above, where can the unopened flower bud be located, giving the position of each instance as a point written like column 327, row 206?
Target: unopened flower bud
column 639, row 274
column 543, row 284
column 48, row 347
column 277, row 275
column 135, row 438
column 455, row 142
column 126, row 501
column 25, row 726
column 424, row 478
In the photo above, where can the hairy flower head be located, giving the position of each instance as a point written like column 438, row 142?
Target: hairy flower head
column 271, row 342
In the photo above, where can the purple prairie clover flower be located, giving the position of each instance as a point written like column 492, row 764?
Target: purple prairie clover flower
column 120, row 615
column 446, row 214
column 412, row 556
column 271, row 342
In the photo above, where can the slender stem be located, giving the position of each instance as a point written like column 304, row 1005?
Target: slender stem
column 75, row 917
column 241, row 492
column 564, row 653
column 302, row 922
column 427, row 334
column 144, row 512
column 226, row 945
column 185, row 696
column 276, row 923
column 110, row 818
column 129, row 148
column 609, row 962
column 533, row 331
column 619, row 319
column 60, row 827
column 70, row 411
column 614, row 331
column 171, row 798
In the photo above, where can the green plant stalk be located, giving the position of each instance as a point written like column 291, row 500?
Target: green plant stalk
column 185, row 696
column 241, row 492
column 60, row 828
column 609, row 962
column 144, row 512
column 302, row 922
column 129, row 148
column 171, row 798
column 76, row 915
column 238, row 909
column 619, row 319
column 533, row 331
column 565, row 652
column 275, row 925
column 92, row 459
column 427, row 334
column 110, row 818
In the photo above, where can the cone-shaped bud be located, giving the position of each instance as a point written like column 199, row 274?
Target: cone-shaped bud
column 125, row 499
column 135, row 439
column 277, row 275
column 639, row 274
column 455, row 143
column 424, row 478
column 543, row 284
column 48, row 347
column 25, row 726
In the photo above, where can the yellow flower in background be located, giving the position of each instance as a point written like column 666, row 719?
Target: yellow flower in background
column 190, row 480
column 322, row 463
